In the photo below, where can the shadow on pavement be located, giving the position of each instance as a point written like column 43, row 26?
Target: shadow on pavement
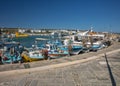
column 110, row 72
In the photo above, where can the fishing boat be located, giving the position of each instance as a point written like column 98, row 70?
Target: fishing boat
column 41, row 39
column 76, row 50
column 11, row 57
column 21, row 34
column 96, row 47
column 8, row 43
column 60, row 51
column 57, row 54
column 34, row 55
column 55, row 51
column 10, row 52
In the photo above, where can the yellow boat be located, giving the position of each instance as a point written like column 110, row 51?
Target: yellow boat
column 26, row 58
column 20, row 35
column 33, row 56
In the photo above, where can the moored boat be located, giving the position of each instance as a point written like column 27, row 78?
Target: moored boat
column 55, row 51
column 34, row 55
column 21, row 34
column 11, row 57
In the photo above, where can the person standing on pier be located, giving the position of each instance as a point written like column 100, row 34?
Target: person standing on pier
column 69, row 50
column 0, row 57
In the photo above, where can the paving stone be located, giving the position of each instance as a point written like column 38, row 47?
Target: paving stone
column 34, row 83
column 22, row 82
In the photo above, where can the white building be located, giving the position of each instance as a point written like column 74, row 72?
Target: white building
column 21, row 30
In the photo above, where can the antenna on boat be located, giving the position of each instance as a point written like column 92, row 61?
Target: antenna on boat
column 91, row 29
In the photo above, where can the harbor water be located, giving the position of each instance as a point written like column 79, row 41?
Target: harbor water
column 30, row 40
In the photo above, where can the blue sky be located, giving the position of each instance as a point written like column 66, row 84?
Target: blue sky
column 102, row 15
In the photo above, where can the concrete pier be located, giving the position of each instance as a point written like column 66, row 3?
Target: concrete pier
column 100, row 68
